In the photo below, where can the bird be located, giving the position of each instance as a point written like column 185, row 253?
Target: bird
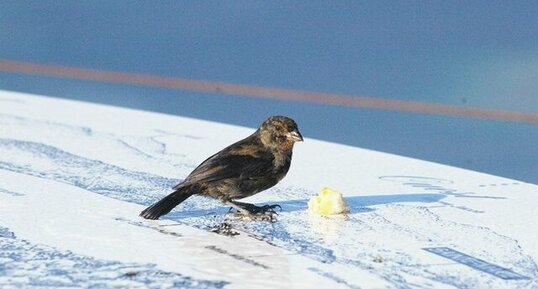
column 247, row 167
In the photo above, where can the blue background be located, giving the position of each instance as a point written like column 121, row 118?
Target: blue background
column 469, row 53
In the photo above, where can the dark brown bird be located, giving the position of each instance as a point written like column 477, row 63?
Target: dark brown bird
column 242, row 169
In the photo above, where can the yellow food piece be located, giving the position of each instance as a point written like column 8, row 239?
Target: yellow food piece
column 328, row 202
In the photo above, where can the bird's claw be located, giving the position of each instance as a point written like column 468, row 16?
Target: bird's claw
column 265, row 209
column 255, row 213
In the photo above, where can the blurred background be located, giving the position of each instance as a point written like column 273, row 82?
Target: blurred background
column 473, row 54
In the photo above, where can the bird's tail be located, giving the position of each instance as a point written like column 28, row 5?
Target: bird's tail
column 165, row 205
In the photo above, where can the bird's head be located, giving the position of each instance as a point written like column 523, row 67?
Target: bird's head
column 280, row 132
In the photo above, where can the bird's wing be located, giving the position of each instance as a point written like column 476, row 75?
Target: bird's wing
column 240, row 160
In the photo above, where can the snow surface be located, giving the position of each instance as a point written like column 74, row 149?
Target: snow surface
column 74, row 176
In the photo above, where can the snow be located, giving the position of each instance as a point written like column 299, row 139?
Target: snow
column 74, row 176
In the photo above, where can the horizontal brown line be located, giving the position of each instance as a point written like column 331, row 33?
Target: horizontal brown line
column 262, row 92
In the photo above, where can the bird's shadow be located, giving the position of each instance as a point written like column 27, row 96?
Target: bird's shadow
column 357, row 204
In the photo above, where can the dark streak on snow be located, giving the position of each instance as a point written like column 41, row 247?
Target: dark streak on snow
column 8, row 192
column 331, row 276
column 236, row 256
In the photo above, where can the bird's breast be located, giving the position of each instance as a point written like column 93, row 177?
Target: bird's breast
column 281, row 164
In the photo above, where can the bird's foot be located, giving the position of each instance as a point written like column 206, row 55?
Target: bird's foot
column 256, row 213
column 265, row 213
column 263, row 209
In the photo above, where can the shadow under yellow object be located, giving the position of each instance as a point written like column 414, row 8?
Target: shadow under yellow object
column 328, row 202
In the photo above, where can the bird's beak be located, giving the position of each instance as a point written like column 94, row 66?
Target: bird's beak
column 295, row 136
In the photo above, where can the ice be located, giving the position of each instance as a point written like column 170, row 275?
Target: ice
column 71, row 190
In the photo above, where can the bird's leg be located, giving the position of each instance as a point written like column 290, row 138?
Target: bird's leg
column 239, row 208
